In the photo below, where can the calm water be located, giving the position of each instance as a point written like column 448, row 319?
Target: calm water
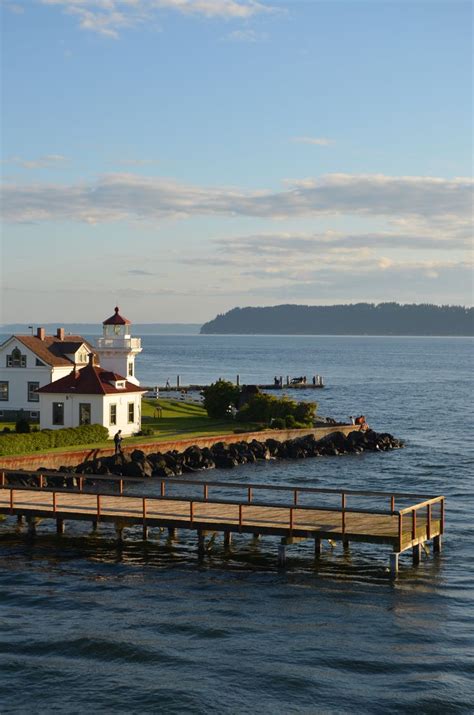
column 86, row 625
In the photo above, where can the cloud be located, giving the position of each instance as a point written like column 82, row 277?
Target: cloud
column 109, row 17
column 136, row 162
column 317, row 141
column 125, row 197
column 48, row 161
column 250, row 36
column 14, row 8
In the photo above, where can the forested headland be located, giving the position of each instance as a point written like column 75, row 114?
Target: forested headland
column 351, row 319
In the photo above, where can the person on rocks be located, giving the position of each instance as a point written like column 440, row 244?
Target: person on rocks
column 118, row 442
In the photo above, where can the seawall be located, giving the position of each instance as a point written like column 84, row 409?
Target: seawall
column 54, row 460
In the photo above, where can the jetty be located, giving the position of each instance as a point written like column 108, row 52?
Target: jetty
column 293, row 513
column 316, row 382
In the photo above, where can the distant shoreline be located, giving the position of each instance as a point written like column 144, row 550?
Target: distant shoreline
column 360, row 319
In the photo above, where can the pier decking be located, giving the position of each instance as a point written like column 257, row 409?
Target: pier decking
column 244, row 508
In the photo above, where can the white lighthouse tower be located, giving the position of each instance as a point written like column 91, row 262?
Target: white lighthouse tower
column 117, row 349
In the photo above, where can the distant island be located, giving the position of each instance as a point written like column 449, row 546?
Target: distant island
column 96, row 328
column 351, row 319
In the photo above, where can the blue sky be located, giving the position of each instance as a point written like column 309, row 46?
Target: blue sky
column 183, row 157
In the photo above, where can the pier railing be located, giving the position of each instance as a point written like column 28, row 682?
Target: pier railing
column 424, row 517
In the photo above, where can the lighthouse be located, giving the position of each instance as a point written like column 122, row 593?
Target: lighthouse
column 117, row 349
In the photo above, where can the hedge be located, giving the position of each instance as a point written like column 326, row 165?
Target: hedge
column 265, row 408
column 47, row 439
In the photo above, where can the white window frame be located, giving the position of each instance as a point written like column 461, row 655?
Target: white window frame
column 114, row 421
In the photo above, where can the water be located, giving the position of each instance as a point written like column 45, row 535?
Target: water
column 86, row 624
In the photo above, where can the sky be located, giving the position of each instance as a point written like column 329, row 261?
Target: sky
column 183, row 157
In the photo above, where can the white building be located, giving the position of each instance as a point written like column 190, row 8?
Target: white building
column 28, row 362
column 117, row 349
column 91, row 395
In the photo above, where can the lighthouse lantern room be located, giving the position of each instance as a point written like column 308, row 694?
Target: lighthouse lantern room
column 117, row 349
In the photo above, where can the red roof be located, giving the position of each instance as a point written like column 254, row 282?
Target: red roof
column 116, row 319
column 52, row 350
column 90, row 380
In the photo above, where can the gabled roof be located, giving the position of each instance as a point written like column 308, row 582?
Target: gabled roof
column 52, row 350
column 116, row 319
column 89, row 380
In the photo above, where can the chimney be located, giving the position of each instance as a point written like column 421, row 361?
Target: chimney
column 60, row 333
column 91, row 358
column 40, row 333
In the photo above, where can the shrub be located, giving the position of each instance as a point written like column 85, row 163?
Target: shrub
column 218, row 397
column 22, row 426
column 23, row 443
column 278, row 423
column 265, row 408
column 145, row 432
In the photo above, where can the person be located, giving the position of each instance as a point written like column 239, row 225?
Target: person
column 352, row 419
column 168, row 383
column 118, row 442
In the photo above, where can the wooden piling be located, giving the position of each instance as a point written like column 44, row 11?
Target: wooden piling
column 416, row 551
column 394, row 565
column 281, row 554
column 60, row 526
column 318, row 548
column 201, row 543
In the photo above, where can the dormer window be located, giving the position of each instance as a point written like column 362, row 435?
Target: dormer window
column 16, row 359
column 120, row 384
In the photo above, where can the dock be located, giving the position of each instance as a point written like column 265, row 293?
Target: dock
column 302, row 513
column 314, row 383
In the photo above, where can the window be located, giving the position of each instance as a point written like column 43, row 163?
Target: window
column 130, row 369
column 4, row 391
column 84, row 413
column 58, row 413
column 16, row 359
column 32, row 392
column 131, row 412
column 38, row 363
column 113, row 415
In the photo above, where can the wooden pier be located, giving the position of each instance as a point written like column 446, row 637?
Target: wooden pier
column 304, row 513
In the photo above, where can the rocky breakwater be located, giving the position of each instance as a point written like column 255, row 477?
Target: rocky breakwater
column 220, row 456
column 226, row 456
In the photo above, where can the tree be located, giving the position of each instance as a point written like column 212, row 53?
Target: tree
column 218, row 397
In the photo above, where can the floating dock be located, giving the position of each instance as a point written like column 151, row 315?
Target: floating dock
column 305, row 513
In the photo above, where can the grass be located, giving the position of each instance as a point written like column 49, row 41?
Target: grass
column 176, row 420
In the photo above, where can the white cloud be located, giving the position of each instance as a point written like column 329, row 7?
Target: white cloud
column 250, row 36
column 119, row 197
column 316, row 141
column 136, row 162
column 43, row 162
column 14, row 8
column 109, row 17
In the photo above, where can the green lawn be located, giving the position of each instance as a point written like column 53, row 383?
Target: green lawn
column 177, row 419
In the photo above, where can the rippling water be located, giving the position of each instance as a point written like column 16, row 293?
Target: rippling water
column 87, row 624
